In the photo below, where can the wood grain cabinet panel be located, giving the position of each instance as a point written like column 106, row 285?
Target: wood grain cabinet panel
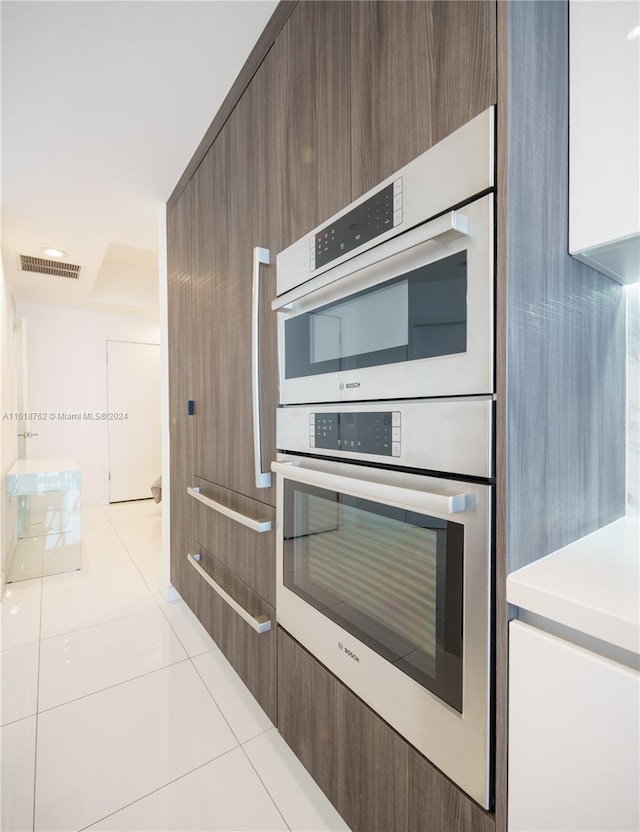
column 231, row 218
column 248, row 554
column 180, row 363
column 435, row 804
column 252, row 654
column 278, row 167
column 358, row 762
column 311, row 59
column 419, row 70
column 373, row 777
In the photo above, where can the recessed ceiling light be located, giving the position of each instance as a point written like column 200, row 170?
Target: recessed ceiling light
column 54, row 252
column 634, row 33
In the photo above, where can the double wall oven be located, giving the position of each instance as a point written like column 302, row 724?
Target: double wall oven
column 385, row 462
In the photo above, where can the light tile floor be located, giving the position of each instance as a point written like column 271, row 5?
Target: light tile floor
column 118, row 711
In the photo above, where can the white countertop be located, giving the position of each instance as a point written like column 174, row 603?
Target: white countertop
column 592, row 585
column 43, row 466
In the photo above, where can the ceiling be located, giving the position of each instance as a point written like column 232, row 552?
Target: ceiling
column 103, row 105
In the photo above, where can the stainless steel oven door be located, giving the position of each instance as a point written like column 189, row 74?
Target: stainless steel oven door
column 410, row 318
column 385, row 578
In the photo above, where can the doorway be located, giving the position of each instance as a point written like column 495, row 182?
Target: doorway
column 133, row 405
column 20, row 353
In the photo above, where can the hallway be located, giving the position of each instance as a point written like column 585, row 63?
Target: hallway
column 120, row 713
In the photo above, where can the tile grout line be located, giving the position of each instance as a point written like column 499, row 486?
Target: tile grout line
column 35, row 760
column 182, row 644
column 139, row 574
column 240, row 744
column 35, row 745
column 264, row 785
column 122, row 618
column 159, row 607
column 114, row 685
column 97, row 624
column 159, row 789
column 126, row 548
column 206, row 687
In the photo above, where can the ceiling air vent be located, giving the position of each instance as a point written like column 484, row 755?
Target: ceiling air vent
column 53, row 267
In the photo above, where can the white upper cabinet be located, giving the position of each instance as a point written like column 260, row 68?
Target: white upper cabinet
column 604, row 136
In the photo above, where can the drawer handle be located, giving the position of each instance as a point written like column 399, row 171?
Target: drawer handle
column 257, row 525
column 260, row 623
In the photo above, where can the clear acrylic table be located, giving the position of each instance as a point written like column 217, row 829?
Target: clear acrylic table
column 43, row 518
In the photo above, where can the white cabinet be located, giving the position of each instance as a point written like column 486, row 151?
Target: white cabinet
column 574, row 737
column 604, row 151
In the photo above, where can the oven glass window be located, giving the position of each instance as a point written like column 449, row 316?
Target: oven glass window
column 421, row 314
column 390, row 577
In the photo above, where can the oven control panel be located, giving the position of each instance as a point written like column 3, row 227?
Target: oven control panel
column 367, row 220
column 453, row 436
column 371, row 432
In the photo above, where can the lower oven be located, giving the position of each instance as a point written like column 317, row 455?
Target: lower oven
column 385, row 577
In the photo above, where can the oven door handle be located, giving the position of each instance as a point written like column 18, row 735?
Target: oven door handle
column 439, row 502
column 442, row 230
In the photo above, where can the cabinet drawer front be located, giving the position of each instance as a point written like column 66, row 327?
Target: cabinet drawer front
column 252, row 654
column 246, row 553
column 373, row 777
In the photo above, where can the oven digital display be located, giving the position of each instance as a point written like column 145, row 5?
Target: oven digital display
column 363, row 223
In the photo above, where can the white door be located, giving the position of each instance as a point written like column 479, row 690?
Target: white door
column 23, row 426
column 133, row 404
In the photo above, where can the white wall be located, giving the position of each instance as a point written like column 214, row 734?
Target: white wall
column 67, row 373
column 633, row 399
column 8, row 397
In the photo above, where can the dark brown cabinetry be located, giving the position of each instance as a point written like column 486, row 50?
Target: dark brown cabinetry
column 247, row 553
column 418, row 72
column 252, row 654
column 311, row 62
column 179, row 223
column 231, row 219
column 278, row 166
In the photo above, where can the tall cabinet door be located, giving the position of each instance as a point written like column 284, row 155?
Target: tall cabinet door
column 419, row 71
column 180, row 392
column 280, row 165
column 231, row 219
column 312, row 117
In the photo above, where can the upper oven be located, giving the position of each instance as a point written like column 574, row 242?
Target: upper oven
column 393, row 297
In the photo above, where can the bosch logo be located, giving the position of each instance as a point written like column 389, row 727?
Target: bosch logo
column 342, row 386
column 350, row 385
column 349, row 653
